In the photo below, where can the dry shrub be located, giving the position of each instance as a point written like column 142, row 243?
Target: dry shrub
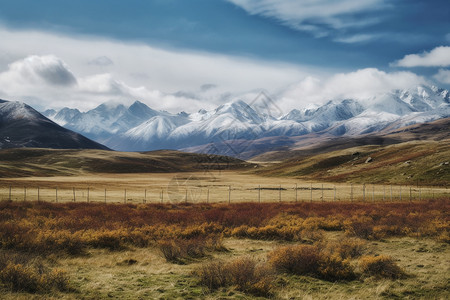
column 245, row 274
column 381, row 267
column 213, row 275
column 21, row 273
column 310, row 260
column 178, row 250
column 347, row 248
column 333, row 268
column 298, row 259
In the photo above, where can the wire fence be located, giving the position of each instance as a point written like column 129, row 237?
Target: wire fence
column 312, row 192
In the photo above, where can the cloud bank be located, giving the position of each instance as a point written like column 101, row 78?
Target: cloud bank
column 361, row 85
column 80, row 71
column 318, row 17
column 438, row 57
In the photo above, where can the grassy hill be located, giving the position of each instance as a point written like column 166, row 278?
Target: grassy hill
column 422, row 162
column 50, row 162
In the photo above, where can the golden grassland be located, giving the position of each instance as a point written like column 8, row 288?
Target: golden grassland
column 421, row 162
column 225, row 251
column 202, row 186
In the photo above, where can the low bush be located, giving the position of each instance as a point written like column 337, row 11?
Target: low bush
column 245, row 274
column 178, row 250
column 311, row 261
column 298, row 259
column 21, row 274
column 381, row 267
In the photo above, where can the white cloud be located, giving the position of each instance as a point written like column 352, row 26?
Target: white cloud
column 357, row 38
column 360, row 85
column 138, row 72
column 438, row 57
column 443, row 76
column 316, row 16
column 40, row 70
column 101, row 61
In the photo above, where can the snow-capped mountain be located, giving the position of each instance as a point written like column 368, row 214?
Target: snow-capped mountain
column 140, row 128
column 22, row 126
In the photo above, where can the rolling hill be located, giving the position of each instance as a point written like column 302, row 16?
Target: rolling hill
column 51, row 162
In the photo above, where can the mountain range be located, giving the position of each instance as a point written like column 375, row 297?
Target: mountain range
column 23, row 127
column 233, row 127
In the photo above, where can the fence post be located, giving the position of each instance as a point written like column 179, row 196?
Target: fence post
column 373, row 193
column 364, row 192
column 207, row 196
column 259, row 193
column 323, row 199
column 88, row 195
column 334, row 193
column 351, row 192
column 145, row 195
column 296, row 193
column 105, row 195
column 279, row 194
column 310, row 188
column 56, row 194
column 410, row 195
column 391, row 192
column 125, row 196
column 229, row 194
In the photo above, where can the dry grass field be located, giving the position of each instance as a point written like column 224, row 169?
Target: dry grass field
column 186, row 226
column 188, row 251
column 196, row 187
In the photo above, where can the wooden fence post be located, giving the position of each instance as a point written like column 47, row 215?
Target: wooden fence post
column 74, row 196
column 296, row 193
column 56, row 194
column 323, row 199
column 259, row 194
column 229, row 194
column 364, row 192
column 334, row 193
column 391, row 192
column 351, row 192
column 310, row 188
column 88, row 195
column 207, row 196
column 145, row 195
column 279, row 194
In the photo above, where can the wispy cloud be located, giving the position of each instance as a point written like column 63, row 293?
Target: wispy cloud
column 152, row 75
column 357, row 38
column 443, row 76
column 438, row 57
column 316, row 16
column 360, row 85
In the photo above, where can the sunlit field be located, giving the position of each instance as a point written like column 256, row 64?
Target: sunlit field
column 199, row 187
column 268, row 250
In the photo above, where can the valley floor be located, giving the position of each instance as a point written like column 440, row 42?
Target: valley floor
column 197, row 187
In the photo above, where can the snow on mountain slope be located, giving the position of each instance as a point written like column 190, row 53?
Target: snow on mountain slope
column 139, row 127
column 22, row 126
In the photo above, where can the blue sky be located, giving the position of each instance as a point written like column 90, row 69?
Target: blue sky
column 268, row 44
